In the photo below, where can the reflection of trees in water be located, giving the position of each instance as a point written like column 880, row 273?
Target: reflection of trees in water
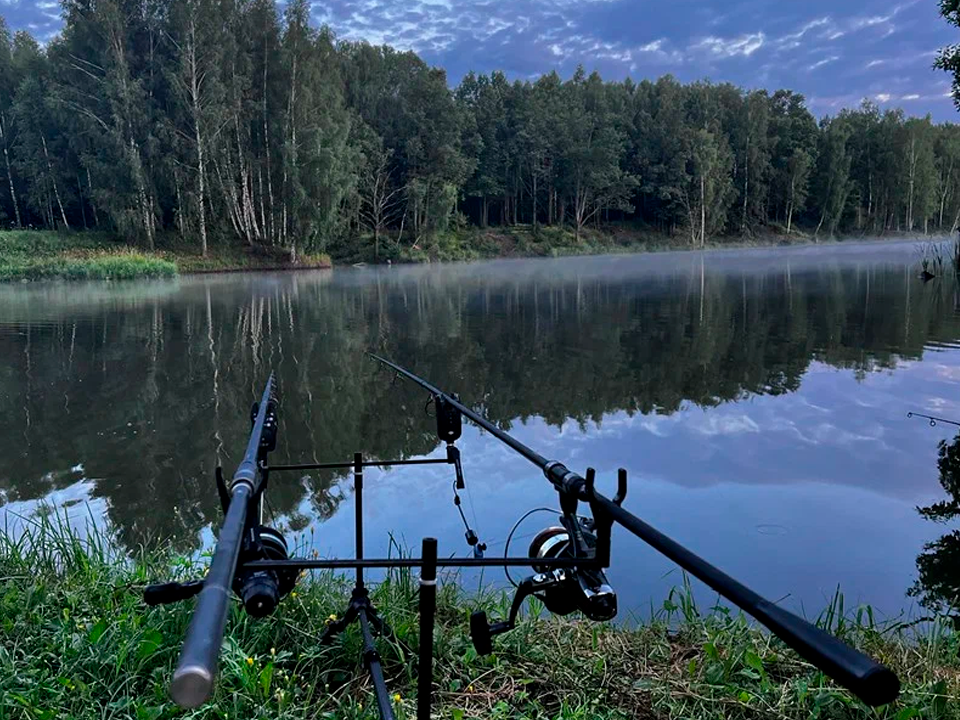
column 938, row 566
column 150, row 395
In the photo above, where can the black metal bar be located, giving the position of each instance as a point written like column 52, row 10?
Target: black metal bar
column 193, row 679
column 369, row 463
column 367, row 563
column 358, row 510
column 871, row 681
column 428, row 611
column 372, row 659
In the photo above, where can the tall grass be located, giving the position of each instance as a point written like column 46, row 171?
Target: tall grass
column 76, row 641
column 33, row 255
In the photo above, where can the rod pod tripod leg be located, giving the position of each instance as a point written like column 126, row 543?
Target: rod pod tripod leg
column 362, row 611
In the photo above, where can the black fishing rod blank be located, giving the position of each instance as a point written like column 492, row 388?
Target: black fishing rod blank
column 933, row 419
column 872, row 682
column 194, row 677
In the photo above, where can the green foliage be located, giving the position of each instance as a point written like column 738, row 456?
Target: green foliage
column 227, row 123
column 39, row 255
column 76, row 639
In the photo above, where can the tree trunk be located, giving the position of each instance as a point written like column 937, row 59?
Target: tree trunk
column 195, row 102
column 913, row 171
column 176, row 181
column 6, row 157
column 793, row 185
column 83, row 211
column 93, row 205
column 703, row 211
column 292, row 128
column 746, row 187
column 533, row 218
column 266, row 149
column 53, row 179
column 816, row 234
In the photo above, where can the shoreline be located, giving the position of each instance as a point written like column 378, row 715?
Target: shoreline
column 31, row 256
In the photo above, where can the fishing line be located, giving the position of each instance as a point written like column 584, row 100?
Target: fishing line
column 506, row 549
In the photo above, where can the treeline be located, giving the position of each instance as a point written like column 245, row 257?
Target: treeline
column 220, row 120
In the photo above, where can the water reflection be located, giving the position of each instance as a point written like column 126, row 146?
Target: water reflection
column 137, row 392
column 938, row 566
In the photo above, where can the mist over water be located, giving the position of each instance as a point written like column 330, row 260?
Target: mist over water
column 757, row 398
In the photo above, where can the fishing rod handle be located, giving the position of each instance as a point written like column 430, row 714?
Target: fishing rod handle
column 194, row 677
column 872, row 682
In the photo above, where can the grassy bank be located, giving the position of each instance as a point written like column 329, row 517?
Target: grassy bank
column 36, row 255
column 32, row 255
column 41, row 255
column 76, row 641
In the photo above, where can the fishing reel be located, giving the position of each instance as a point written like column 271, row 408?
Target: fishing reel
column 562, row 590
column 260, row 591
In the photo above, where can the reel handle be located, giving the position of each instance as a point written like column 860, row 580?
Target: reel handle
column 171, row 592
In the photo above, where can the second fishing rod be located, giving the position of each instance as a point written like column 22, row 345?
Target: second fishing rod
column 872, row 682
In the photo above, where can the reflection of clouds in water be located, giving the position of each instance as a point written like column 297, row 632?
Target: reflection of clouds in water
column 948, row 372
column 712, row 424
column 830, row 434
column 76, row 504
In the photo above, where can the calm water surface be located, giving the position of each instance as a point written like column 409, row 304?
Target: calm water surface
column 758, row 400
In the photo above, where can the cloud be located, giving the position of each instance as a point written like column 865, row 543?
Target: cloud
column 787, row 45
column 821, row 63
column 718, row 47
column 792, row 40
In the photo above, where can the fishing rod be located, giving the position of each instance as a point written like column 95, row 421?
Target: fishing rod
column 933, row 420
column 870, row 681
column 568, row 563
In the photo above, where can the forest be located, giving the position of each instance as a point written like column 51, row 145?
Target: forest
column 204, row 122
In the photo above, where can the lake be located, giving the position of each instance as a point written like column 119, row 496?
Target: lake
column 757, row 398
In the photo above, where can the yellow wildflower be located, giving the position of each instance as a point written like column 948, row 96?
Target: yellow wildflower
column 470, row 688
column 396, row 697
column 249, row 661
column 273, row 651
column 293, row 594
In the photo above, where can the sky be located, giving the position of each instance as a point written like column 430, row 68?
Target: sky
column 835, row 53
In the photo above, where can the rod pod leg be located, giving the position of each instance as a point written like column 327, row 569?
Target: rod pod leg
column 428, row 611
